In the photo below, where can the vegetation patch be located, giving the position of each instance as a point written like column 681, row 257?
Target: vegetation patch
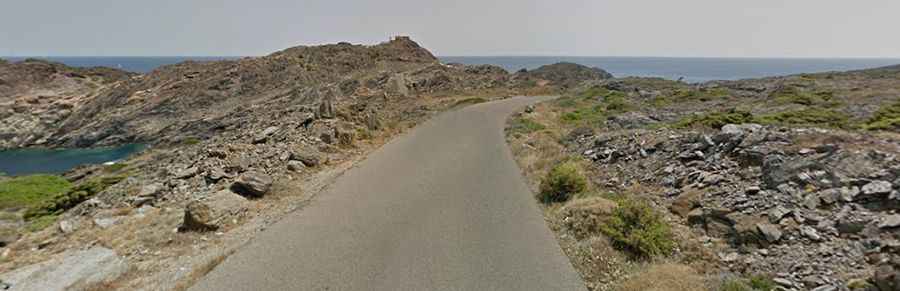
column 588, row 115
column 791, row 95
column 886, row 118
column 808, row 116
column 638, row 229
column 716, row 119
column 28, row 191
column 753, row 283
column 66, row 200
column 664, row 277
column 562, row 182
column 524, row 125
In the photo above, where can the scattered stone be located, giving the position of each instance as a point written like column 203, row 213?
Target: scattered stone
column 310, row 158
column 68, row 226
column 777, row 213
column 252, row 184
column 106, row 222
column 887, row 277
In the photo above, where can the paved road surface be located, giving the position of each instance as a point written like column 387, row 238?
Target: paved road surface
column 443, row 207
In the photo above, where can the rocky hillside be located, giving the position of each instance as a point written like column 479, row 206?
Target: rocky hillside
column 234, row 145
column 36, row 96
column 784, row 183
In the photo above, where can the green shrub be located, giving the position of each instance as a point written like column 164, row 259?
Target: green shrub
column 114, row 167
column 31, row 190
column 585, row 115
column 702, row 95
column 716, row 119
column 808, row 116
column 562, row 182
column 635, row 227
column 796, row 96
column 66, row 200
column 40, row 223
column 762, row 283
column 524, row 125
column 617, row 103
column 190, row 141
column 886, row 118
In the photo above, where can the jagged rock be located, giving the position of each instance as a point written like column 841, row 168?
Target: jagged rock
column 187, row 173
column 310, row 158
column 769, row 231
column 777, row 213
column 252, row 184
column 265, row 134
column 326, row 109
column 876, row 188
column 71, row 270
column 198, row 217
column 296, row 166
column 67, row 226
column 890, row 221
column 810, row 233
column 686, row 202
column 372, row 121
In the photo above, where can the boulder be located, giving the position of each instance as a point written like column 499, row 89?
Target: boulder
column 310, row 158
column 71, row 270
column 877, row 188
column 295, row 166
column 252, row 184
column 198, row 217
column 890, row 221
column 769, row 231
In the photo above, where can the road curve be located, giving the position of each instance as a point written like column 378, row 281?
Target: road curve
column 443, row 207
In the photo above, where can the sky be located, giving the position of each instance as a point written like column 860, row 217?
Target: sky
column 682, row 28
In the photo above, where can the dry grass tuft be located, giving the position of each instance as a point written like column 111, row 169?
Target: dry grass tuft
column 664, row 277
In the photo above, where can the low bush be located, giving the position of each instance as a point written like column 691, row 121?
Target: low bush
column 664, row 277
column 66, row 200
column 562, row 182
column 638, row 229
column 27, row 191
column 524, row 125
column 716, row 119
column 809, row 116
column 886, row 118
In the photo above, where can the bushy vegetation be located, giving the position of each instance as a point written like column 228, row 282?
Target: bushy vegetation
column 638, row 229
column 562, row 182
column 809, row 116
column 586, row 115
column 524, row 125
column 886, row 118
column 699, row 94
column 791, row 95
column 716, row 119
column 68, row 199
column 28, row 191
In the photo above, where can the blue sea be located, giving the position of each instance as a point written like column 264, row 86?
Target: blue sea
column 690, row 69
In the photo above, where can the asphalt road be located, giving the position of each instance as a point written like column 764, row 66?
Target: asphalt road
column 443, row 207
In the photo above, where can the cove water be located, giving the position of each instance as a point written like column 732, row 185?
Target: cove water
column 56, row 161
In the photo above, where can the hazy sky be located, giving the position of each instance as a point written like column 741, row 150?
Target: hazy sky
column 728, row 28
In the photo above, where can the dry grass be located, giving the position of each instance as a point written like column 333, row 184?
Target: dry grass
column 664, row 277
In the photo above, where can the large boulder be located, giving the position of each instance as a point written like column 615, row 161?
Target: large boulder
column 252, row 184
column 198, row 217
column 72, row 270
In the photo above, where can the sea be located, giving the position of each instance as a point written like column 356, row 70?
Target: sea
column 687, row 69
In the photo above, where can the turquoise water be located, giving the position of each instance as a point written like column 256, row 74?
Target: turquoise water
column 56, row 161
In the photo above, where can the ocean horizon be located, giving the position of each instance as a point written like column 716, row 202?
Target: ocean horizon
column 689, row 69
